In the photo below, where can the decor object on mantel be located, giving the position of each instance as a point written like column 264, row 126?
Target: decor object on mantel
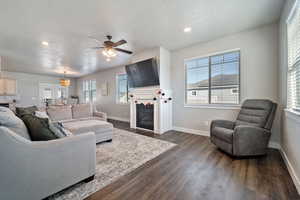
column 64, row 81
column 7, row 85
column 104, row 90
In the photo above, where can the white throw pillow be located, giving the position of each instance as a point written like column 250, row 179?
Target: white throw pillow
column 41, row 114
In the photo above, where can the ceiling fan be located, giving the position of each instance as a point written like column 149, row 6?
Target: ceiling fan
column 109, row 47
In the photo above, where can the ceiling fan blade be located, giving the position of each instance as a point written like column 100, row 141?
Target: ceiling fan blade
column 121, row 42
column 123, row 50
column 96, row 48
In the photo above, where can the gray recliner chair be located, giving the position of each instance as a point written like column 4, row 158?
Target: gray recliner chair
column 249, row 135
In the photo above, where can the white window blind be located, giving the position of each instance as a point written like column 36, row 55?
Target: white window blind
column 293, row 26
column 89, row 91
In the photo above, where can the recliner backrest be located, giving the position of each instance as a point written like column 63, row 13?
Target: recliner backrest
column 257, row 112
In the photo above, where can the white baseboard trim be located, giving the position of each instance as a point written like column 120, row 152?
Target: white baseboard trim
column 118, row 119
column 291, row 170
column 192, row 131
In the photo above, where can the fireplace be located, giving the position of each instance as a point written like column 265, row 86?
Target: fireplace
column 145, row 116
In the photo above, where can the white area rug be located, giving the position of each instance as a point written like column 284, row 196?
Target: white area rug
column 125, row 153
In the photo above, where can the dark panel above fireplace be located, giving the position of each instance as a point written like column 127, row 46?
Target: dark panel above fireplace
column 145, row 116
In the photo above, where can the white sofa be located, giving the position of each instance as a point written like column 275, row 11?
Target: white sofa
column 80, row 119
column 35, row 170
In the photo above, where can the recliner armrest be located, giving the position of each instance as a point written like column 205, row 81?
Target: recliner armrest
column 222, row 123
column 250, row 140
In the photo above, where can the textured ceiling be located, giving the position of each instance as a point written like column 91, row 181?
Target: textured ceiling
column 66, row 25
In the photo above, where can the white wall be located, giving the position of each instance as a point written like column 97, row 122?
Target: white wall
column 290, row 134
column 259, row 64
column 108, row 103
column 28, row 87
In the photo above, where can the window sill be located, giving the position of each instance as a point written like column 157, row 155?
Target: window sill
column 292, row 114
column 212, row 106
column 119, row 103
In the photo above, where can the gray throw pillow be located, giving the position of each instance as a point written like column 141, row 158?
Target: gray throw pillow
column 59, row 130
column 11, row 121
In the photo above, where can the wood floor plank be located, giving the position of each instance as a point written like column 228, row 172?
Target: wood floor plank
column 195, row 169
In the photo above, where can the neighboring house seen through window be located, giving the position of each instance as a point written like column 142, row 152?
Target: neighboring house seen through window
column 89, row 91
column 213, row 79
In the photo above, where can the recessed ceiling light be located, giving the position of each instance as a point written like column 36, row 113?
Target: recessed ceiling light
column 187, row 29
column 45, row 43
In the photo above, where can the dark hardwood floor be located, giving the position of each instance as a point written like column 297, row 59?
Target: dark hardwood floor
column 196, row 169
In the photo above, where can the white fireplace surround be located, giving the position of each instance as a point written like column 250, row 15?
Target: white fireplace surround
column 162, row 101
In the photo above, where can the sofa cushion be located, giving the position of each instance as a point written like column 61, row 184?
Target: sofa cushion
column 81, row 111
column 58, row 113
column 83, row 126
column 20, row 111
column 38, row 128
column 9, row 120
column 223, row 134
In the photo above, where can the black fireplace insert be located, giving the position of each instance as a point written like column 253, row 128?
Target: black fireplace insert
column 145, row 116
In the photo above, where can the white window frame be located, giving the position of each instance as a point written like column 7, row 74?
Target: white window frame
column 290, row 107
column 117, row 90
column 89, row 90
column 213, row 106
column 54, row 89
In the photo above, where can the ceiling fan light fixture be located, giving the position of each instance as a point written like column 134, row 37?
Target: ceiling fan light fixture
column 109, row 52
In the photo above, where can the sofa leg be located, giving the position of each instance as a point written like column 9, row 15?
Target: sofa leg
column 89, row 179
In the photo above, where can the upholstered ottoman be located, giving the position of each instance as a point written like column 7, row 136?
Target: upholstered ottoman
column 102, row 129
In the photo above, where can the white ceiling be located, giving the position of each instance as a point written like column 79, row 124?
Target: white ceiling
column 66, row 25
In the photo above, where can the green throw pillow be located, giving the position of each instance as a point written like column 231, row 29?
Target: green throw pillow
column 20, row 111
column 38, row 128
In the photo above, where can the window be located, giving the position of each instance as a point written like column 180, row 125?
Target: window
column 213, row 79
column 293, row 25
column 89, row 91
column 122, row 88
column 48, row 91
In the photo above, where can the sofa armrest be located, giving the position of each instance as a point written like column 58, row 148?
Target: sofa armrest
column 222, row 123
column 49, row 166
column 100, row 115
column 250, row 140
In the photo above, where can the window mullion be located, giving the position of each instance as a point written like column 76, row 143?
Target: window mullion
column 209, row 80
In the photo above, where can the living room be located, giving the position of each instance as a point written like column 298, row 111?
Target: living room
column 149, row 99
